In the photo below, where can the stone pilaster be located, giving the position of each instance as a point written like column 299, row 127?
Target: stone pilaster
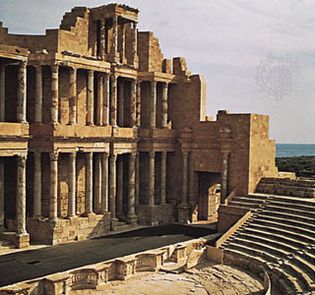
column 153, row 105
column 73, row 97
column 135, row 45
column 21, row 234
column 133, row 104
column 37, row 209
column 102, row 53
column 165, row 105
column 151, row 200
column 224, row 176
column 163, row 177
column 54, row 93
column 138, row 106
column 106, row 100
column 1, row 194
column 122, row 49
column 105, row 182
column 39, row 94
column 120, row 186
column 90, row 98
column 121, row 103
column 112, row 190
column 113, row 108
column 131, row 215
column 53, row 205
column 89, row 183
column 98, row 184
column 100, row 99
column 2, row 93
column 114, row 55
column 72, row 185
column 21, row 114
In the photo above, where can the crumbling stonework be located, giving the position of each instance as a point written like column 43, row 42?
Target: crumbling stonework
column 99, row 130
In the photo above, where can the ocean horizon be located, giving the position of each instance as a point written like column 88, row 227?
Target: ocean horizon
column 294, row 150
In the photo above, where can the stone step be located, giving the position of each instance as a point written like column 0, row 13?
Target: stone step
column 281, row 232
column 288, row 216
column 307, row 207
column 291, row 228
column 286, row 199
column 244, row 204
column 292, row 210
column 248, row 200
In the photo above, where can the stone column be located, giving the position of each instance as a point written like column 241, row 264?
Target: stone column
column 102, row 47
column 39, row 94
column 224, row 177
column 1, row 194
column 37, row 211
column 113, row 108
column 138, row 107
column 72, row 185
column 163, row 177
column 153, row 105
column 100, row 99
column 122, row 48
column 53, row 205
column 21, row 196
column 184, row 200
column 89, row 183
column 106, row 98
column 98, row 184
column 135, row 45
column 120, row 186
column 22, row 92
column 133, row 104
column 151, row 200
column 73, row 97
column 104, row 182
column 112, row 186
column 90, row 98
column 131, row 216
column 54, row 93
column 191, row 181
column 2, row 93
column 121, row 102
column 165, row 105
column 137, row 180
column 114, row 47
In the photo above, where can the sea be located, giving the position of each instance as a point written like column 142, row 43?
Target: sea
column 294, row 150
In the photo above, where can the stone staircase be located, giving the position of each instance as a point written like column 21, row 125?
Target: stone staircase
column 279, row 237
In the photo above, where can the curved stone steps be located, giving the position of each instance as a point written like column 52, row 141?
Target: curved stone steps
column 249, row 200
column 291, row 211
column 288, row 216
column 308, row 207
column 243, row 204
column 286, row 199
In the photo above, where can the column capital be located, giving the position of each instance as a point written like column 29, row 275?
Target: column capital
column 90, row 73
column 37, row 154
column 73, row 155
column 54, row 156
column 55, row 68
column 22, row 160
column 151, row 154
column 23, row 64
column 73, row 70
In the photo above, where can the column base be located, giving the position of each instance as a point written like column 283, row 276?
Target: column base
column 136, row 62
column 123, row 61
column 132, row 219
column 183, row 213
column 113, row 224
column 22, row 240
column 114, row 57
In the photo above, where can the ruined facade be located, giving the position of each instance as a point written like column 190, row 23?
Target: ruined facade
column 99, row 130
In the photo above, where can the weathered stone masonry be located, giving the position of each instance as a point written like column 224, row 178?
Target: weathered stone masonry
column 99, row 130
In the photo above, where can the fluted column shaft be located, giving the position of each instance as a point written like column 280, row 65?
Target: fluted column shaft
column 133, row 104
column 120, row 186
column 73, row 97
column 90, row 98
column 89, row 183
column 135, row 45
column 106, row 100
column 102, row 48
column 184, row 178
column 137, row 180
column 138, row 104
column 113, row 108
column 72, row 185
column 98, row 184
column 153, row 105
column 54, row 93
column 105, row 182
column 224, row 177
column 53, row 205
column 164, row 105
column 112, row 185
column 131, row 185
column 100, row 99
column 1, row 194
column 151, row 200
column 22, row 92
column 114, row 46
column 21, row 196
column 37, row 211
column 2, row 93
column 121, row 104
column 122, row 48
column 39, row 94
column 163, row 177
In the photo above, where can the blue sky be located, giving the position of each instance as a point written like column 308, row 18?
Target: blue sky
column 256, row 56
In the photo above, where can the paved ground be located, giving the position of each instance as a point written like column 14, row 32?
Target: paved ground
column 32, row 264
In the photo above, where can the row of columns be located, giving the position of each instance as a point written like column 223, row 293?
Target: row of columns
column 21, row 92
column 115, row 52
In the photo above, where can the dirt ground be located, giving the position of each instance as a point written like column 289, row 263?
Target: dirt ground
column 203, row 280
